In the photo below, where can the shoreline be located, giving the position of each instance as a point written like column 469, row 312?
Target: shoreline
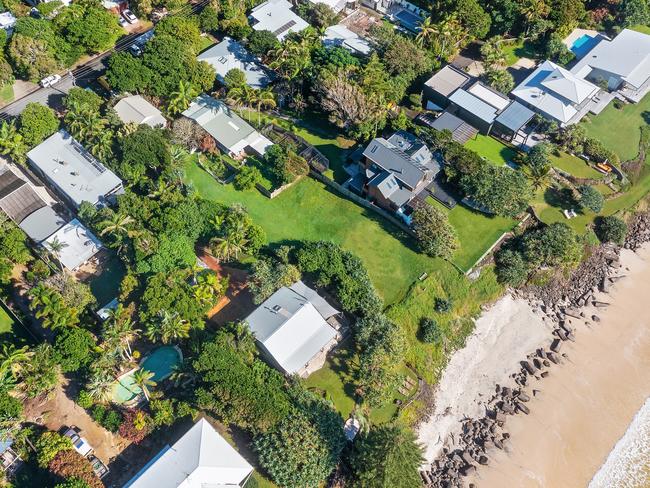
column 587, row 404
column 570, row 431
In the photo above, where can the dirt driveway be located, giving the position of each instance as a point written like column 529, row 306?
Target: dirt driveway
column 61, row 411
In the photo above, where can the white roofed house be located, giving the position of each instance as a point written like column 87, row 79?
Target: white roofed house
column 136, row 110
column 293, row 331
column 73, row 245
column 623, row 64
column 557, row 93
column 73, row 172
column 232, row 134
column 199, row 459
column 277, row 17
column 228, row 55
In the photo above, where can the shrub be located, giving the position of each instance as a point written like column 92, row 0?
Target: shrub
column 247, row 178
column 434, row 234
column 71, row 464
column 611, row 229
column 430, row 331
column 84, row 400
column 598, row 152
column 107, row 417
column 48, row 445
column 591, row 199
column 511, row 267
column 443, row 305
column 135, row 426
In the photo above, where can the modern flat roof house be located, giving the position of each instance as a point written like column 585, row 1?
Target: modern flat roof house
column 73, row 171
column 292, row 330
column 335, row 5
column 230, row 54
column 623, row 63
column 78, row 244
column 473, row 102
column 199, row 459
column 136, row 110
column 557, row 93
column 26, row 208
column 394, row 171
column 232, row 134
column 277, row 17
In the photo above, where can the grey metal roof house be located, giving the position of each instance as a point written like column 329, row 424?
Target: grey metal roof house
column 441, row 85
column 340, row 36
column 73, row 171
column 291, row 327
column 396, row 170
column 26, row 208
column 229, row 130
column 277, row 17
column 623, row 63
column 460, row 130
column 136, row 110
column 230, row 54
column 201, row 458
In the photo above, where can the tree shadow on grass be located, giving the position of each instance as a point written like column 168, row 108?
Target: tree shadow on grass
column 562, row 198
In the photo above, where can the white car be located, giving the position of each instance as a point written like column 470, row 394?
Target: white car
column 122, row 21
column 50, row 80
column 128, row 15
column 79, row 443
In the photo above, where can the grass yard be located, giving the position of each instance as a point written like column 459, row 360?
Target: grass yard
column 644, row 29
column 575, row 166
column 206, row 41
column 7, row 93
column 428, row 360
column 516, row 49
column 620, row 129
column 308, row 210
column 476, row 232
column 10, row 330
column 106, row 285
column 317, row 132
column 491, row 149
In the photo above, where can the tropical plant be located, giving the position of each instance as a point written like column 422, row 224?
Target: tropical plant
column 100, row 386
column 118, row 225
column 180, row 99
column 142, row 378
column 56, row 246
column 12, row 143
column 169, row 327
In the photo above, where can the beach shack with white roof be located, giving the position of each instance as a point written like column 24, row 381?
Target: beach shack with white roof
column 77, row 245
column 277, row 17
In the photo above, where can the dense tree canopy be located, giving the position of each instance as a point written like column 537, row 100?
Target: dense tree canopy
column 37, row 122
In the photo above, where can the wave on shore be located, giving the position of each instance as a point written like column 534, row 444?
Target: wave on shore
column 628, row 465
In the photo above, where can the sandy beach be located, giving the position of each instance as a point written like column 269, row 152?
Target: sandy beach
column 586, row 404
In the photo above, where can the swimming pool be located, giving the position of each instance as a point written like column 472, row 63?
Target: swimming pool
column 160, row 362
column 583, row 44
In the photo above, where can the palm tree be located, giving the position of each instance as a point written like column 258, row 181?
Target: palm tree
column 181, row 98
column 101, row 147
column 207, row 287
column 427, row 31
column 168, row 328
column 228, row 246
column 100, row 386
column 534, row 10
column 55, row 246
column 12, row 360
column 117, row 224
column 85, row 123
column 538, row 175
column 242, row 96
column 264, row 99
column 142, row 378
column 12, row 143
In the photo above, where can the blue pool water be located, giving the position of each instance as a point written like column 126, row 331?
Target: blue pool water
column 583, row 44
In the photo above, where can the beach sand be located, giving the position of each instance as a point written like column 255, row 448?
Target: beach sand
column 502, row 336
column 586, row 404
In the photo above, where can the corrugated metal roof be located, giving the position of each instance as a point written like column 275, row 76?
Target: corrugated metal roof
column 474, row 105
column 515, row 116
column 447, row 80
column 41, row 224
column 383, row 154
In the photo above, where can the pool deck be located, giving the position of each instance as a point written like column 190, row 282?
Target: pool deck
column 576, row 34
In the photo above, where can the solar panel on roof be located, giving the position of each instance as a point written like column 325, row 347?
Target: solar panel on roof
column 284, row 28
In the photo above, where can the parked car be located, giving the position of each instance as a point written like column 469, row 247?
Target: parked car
column 135, row 50
column 79, row 443
column 122, row 21
column 50, row 80
column 128, row 15
column 99, row 468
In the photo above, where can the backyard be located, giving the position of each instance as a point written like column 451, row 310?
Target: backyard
column 10, row 330
column 627, row 121
column 476, row 232
column 516, row 49
column 491, row 149
column 308, row 210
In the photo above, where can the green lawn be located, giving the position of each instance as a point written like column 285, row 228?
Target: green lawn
column 516, row 49
column 7, row 93
column 620, row 129
column 308, row 210
column 644, row 29
column 467, row 297
column 575, row 166
column 206, row 41
column 11, row 331
column 491, row 149
column 476, row 232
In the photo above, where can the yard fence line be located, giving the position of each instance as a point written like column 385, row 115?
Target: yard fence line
column 361, row 201
column 272, row 194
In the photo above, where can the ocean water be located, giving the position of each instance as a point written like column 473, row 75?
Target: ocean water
column 628, row 465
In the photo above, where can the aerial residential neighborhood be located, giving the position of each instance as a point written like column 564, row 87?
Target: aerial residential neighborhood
column 320, row 243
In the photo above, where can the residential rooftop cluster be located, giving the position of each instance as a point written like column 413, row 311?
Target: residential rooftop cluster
column 239, row 252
